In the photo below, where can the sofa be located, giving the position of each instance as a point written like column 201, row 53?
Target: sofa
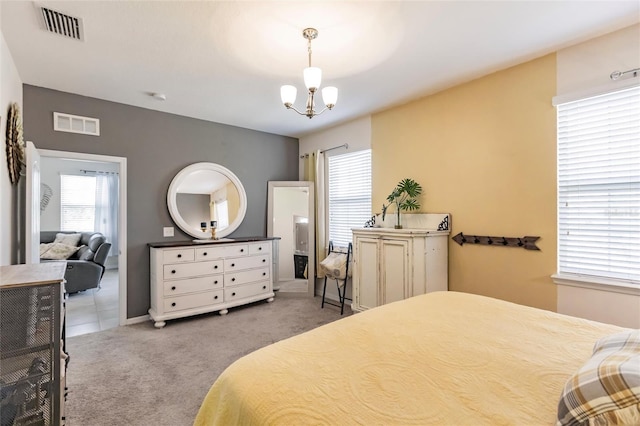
column 85, row 253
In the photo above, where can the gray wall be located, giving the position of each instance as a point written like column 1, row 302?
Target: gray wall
column 194, row 208
column 157, row 146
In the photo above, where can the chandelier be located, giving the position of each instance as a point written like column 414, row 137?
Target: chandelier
column 312, row 79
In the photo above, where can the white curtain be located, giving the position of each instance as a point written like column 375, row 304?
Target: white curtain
column 314, row 171
column 107, row 208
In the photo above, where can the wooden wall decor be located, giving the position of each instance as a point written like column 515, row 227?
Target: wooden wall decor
column 528, row 243
column 15, row 144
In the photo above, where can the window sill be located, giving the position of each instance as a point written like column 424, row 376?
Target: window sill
column 593, row 283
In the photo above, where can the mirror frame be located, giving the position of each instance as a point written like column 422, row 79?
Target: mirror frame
column 311, row 265
column 173, row 206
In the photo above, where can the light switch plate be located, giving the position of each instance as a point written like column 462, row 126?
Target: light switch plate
column 167, row 231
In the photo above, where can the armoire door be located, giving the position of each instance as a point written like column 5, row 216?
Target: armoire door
column 394, row 265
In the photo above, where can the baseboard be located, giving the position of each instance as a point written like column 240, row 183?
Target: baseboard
column 138, row 320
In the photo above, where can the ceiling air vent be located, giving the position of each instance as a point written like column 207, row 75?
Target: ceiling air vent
column 59, row 23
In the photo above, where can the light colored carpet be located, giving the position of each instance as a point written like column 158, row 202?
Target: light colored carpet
column 138, row 375
column 293, row 286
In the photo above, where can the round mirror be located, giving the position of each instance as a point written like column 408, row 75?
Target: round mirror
column 206, row 193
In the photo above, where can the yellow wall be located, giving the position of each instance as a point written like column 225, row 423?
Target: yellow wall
column 484, row 151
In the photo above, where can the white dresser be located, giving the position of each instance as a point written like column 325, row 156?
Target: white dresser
column 194, row 278
column 394, row 264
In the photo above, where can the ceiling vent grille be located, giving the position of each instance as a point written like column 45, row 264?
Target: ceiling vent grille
column 59, row 23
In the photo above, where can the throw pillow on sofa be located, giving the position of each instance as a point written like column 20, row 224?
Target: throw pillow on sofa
column 59, row 251
column 68, row 239
column 44, row 247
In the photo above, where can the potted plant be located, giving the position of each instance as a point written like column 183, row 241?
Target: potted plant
column 404, row 197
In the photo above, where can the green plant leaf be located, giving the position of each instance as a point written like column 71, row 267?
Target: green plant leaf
column 403, row 196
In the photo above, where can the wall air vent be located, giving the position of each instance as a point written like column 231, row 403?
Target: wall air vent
column 76, row 124
column 59, row 23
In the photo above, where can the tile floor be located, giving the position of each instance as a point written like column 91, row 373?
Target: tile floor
column 95, row 309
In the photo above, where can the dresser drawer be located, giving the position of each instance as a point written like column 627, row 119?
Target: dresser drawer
column 195, row 269
column 213, row 252
column 242, row 277
column 248, row 290
column 239, row 263
column 260, row 248
column 191, row 285
column 178, row 255
column 190, row 301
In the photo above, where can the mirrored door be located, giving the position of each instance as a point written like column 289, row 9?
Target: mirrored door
column 291, row 218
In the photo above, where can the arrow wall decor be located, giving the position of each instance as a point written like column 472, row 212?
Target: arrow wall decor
column 528, row 243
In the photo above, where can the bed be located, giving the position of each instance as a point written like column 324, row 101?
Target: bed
column 443, row 358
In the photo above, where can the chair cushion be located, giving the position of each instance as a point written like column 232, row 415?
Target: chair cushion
column 85, row 253
column 93, row 240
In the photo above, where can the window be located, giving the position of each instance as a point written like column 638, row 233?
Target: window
column 77, row 203
column 599, row 186
column 349, row 189
column 222, row 214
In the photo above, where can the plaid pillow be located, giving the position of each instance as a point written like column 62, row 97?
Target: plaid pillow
column 606, row 389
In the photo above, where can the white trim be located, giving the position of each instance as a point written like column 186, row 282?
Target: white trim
column 138, row 320
column 122, row 217
column 595, row 91
column 597, row 283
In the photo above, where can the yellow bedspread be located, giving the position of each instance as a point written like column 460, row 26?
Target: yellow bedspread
column 442, row 358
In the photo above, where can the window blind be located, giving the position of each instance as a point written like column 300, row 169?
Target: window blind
column 599, row 186
column 77, row 203
column 349, row 191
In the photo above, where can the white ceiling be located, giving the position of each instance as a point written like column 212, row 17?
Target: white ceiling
column 225, row 61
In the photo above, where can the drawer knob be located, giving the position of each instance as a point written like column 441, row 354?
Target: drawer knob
column 241, row 250
column 233, row 264
column 233, row 279
column 259, row 248
column 179, row 256
column 264, row 273
column 264, row 287
column 204, row 254
column 173, row 287
column 215, row 298
column 173, row 304
column 233, row 294
column 215, row 267
column 173, row 271
column 215, row 282
column 264, row 260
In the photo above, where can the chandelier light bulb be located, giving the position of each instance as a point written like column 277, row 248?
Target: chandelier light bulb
column 330, row 96
column 312, row 78
column 288, row 95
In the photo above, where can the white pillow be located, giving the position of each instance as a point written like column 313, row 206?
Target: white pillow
column 59, row 251
column 44, row 247
column 334, row 265
column 68, row 239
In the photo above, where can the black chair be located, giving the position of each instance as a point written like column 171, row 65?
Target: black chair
column 336, row 266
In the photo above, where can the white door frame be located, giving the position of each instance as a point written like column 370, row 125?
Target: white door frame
column 122, row 217
column 32, row 204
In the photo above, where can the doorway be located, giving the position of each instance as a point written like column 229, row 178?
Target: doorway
column 104, row 307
